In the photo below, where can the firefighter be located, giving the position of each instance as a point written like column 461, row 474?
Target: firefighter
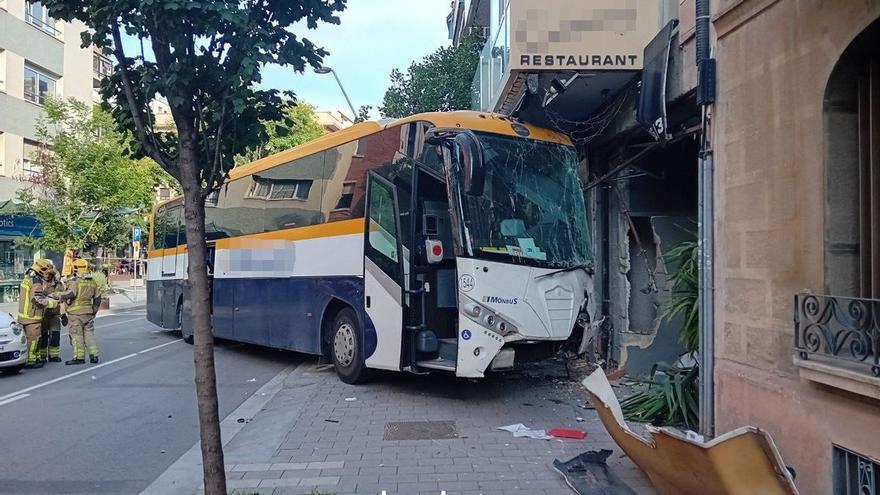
column 33, row 301
column 50, row 328
column 81, row 296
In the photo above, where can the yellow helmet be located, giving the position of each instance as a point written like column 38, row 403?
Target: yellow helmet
column 80, row 267
column 43, row 267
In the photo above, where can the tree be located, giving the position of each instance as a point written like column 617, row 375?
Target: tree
column 442, row 81
column 205, row 58
column 90, row 191
column 363, row 114
column 283, row 136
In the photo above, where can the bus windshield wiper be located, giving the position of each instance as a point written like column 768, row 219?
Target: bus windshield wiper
column 587, row 267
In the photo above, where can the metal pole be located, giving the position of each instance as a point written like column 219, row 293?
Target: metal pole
column 706, row 289
column 353, row 111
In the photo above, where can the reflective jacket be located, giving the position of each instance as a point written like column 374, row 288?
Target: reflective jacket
column 82, row 291
column 53, row 287
column 33, row 300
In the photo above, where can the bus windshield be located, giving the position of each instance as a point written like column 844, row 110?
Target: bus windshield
column 532, row 209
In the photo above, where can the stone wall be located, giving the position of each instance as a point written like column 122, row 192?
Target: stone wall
column 774, row 60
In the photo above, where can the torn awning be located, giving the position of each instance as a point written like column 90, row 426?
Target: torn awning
column 652, row 97
column 741, row 462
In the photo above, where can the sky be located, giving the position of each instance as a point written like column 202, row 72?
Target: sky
column 374, row 36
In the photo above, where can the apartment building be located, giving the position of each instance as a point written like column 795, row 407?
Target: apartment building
column 761, row 120
column 39, row 58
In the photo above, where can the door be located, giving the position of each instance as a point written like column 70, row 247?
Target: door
column 383, row 272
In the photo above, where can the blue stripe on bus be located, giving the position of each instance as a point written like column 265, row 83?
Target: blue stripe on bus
column 272, row 312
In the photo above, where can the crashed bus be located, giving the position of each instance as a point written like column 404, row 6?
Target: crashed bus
column 449, row 242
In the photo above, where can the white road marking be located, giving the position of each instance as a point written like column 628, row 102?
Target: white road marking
column 86, row 370
column 13, row 399
column 63, row 333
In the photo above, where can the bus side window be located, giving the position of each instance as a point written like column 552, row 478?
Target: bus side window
column 383, row 224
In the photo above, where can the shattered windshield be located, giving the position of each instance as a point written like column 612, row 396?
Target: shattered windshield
column 532, row 209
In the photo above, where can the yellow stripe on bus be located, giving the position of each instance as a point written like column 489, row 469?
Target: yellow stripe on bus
column 346, row 227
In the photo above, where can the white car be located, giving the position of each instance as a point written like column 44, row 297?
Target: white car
column 13, row 345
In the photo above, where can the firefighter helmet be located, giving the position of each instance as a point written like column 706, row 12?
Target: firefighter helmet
column 43, row 267
column 80, row 267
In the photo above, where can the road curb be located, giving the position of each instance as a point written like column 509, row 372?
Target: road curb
column 185, row 475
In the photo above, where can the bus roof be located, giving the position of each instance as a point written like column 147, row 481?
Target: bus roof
column 461, row 119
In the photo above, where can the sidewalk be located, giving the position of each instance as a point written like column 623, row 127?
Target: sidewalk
column 126, row 300
column 315, row 434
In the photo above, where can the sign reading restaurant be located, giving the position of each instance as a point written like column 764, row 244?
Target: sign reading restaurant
column 580, row 61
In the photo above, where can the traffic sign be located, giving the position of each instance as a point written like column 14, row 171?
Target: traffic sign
column 136, row 234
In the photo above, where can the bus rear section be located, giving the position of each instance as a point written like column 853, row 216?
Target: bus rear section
column 443, row 242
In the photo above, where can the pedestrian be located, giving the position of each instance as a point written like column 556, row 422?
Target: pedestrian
column 50, row 328
column 82, row 298
column 33, row 301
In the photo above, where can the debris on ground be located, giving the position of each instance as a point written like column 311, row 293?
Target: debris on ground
column 350, row 399
column 520, row 430
column 588, row 474
column 252, row 380
column 566, row 433
column 744, row 461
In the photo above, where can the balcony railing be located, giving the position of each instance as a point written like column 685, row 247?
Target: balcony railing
column 838, row 328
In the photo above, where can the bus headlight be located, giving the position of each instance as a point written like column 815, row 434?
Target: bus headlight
column 485, row 317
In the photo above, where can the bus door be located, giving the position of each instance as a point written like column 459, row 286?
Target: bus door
column 383, row 272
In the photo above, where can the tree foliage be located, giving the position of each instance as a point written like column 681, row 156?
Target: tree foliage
column 442, row 81
column 299, row 127
column 205, row 58
column 90, row 191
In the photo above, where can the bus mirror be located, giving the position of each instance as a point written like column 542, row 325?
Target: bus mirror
column 469, row 154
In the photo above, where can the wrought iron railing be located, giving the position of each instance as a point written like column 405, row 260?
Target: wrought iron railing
column 839, row 328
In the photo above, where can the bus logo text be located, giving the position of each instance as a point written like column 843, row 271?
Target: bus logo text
column 499, row 300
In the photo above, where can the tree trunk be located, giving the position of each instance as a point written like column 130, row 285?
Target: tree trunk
column 199, row 293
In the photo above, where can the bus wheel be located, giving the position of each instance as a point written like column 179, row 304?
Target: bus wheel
column 345, row 348
column 186, row 338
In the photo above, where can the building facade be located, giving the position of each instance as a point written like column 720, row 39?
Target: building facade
column 797, row 271
column 779, row 153
column 39, row 58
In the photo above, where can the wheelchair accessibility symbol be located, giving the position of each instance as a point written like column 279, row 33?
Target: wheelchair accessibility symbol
column 466, row 334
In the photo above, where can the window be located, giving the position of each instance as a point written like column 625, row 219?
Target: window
column 280, row 189
column 32, row 160
column 852, row 127
column 101, row 66
column 37, row 14
column 854, row 474
column 38, row 85
column 347, row 195
column 383, row 223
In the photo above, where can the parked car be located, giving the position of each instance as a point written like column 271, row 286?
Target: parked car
column 13, row 345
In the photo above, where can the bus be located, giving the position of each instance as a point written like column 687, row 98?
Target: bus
column 449, row 241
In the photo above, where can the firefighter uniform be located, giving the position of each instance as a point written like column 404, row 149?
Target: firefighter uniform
column 33, row 301
column 82, row 292
column 50, row 335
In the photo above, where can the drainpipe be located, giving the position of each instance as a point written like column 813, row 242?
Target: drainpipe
column 706, row 215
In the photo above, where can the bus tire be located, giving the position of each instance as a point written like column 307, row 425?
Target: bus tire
column 189, row 339
column 345, row 348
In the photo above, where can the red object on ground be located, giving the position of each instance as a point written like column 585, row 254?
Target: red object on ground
column 563, row 433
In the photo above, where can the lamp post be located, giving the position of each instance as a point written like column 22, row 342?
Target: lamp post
column 328, row 70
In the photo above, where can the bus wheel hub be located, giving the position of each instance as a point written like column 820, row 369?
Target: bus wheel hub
column 343, row 344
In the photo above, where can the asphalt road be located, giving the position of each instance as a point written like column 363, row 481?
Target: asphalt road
column 116, row 426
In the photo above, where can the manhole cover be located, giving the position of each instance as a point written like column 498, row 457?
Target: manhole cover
column 420, row 430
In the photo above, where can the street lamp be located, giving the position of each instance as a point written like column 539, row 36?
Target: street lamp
column 327, row 70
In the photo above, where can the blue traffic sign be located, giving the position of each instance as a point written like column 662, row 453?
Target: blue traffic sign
column 136, row 234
